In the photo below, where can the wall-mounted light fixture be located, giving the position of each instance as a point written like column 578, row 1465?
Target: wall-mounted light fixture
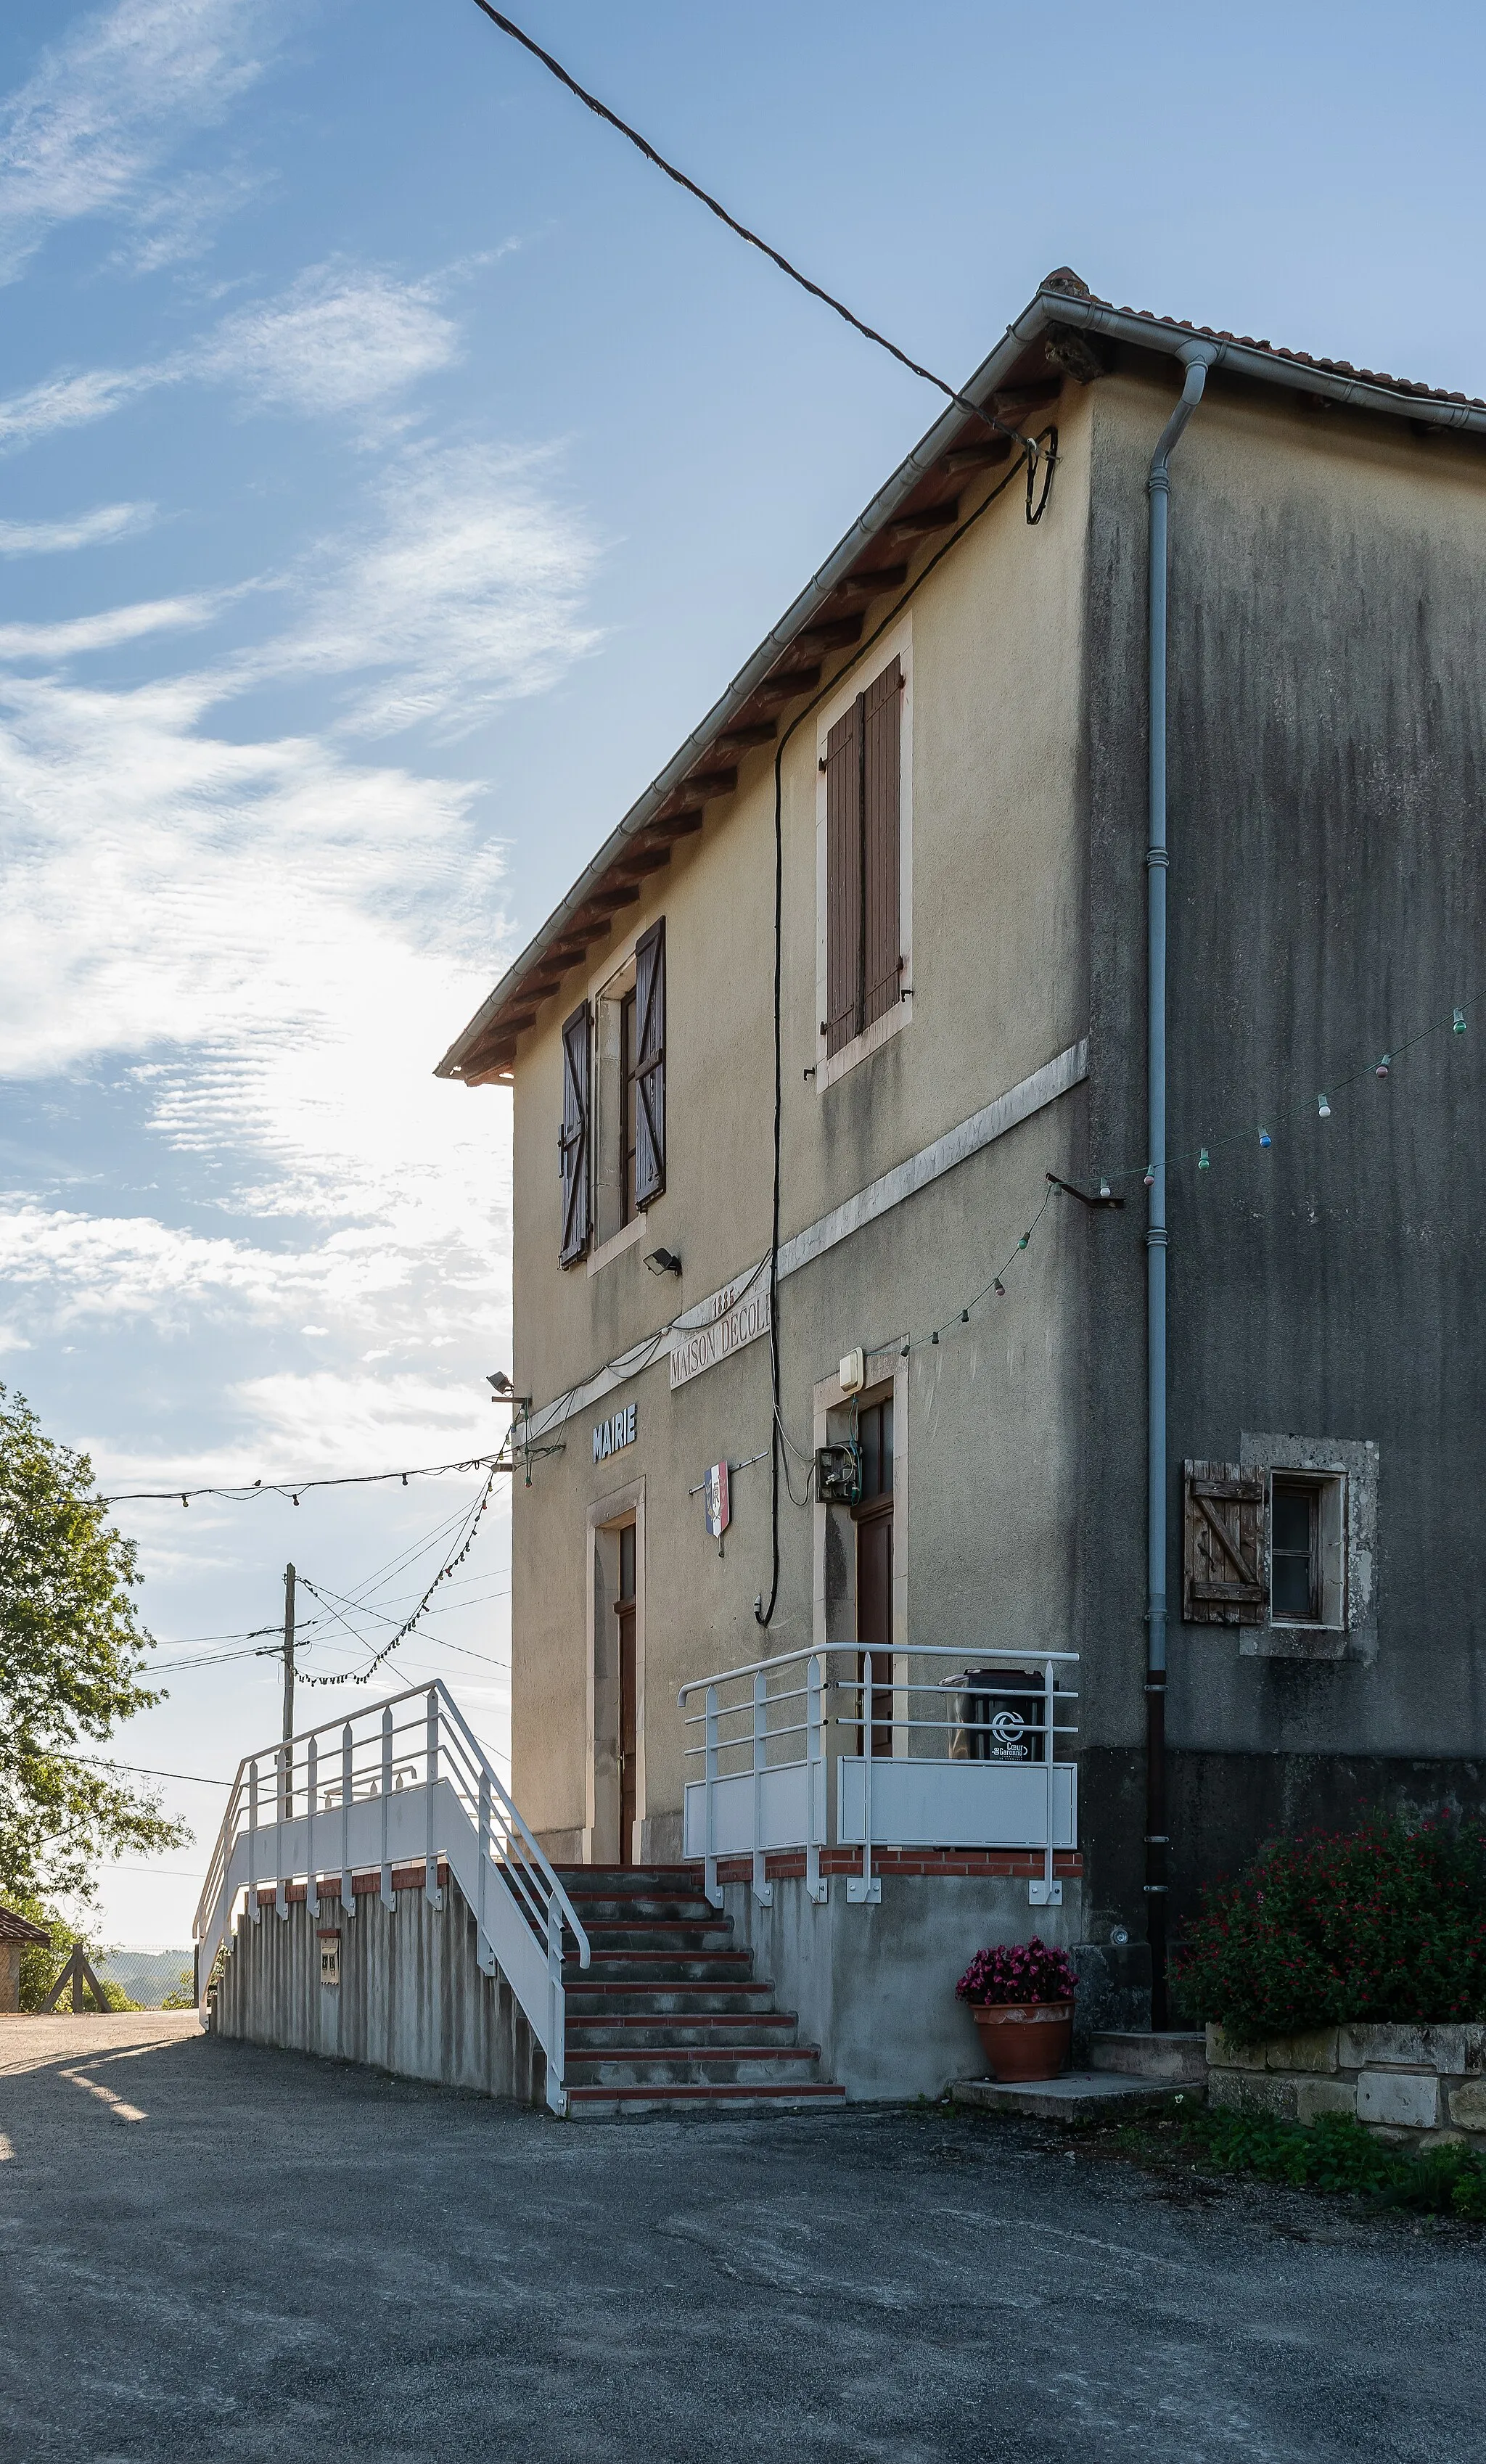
column 663, row 1262
column 498, row 1378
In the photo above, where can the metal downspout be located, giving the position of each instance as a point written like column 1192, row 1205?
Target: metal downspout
column 1199, row 358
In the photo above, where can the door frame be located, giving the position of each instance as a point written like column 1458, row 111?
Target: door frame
column 601, row 1825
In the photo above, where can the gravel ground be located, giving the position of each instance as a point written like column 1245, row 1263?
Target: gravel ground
column 214, row 2252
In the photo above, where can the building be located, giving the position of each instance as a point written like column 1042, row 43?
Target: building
column 892, row 1082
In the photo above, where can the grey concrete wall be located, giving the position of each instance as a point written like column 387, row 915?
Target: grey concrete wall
column 1327, row 640
column 875, row 1986
column 411, row 1998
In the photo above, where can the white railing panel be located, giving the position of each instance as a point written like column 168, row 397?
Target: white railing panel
column 922, row 1804
column 782, row 1803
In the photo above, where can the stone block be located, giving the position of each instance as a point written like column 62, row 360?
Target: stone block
column 1222, row 2056
column 1453, row 2048
column 1468, row 2105
column 1313, row 2097
column 1314, row 2050
column 1253, row 2092
column 1399, row 2100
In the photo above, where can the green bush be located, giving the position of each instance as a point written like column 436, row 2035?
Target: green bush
column 1386, row 1923
column 1336, row 2153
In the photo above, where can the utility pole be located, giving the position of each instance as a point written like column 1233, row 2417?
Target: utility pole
column 288, row 1676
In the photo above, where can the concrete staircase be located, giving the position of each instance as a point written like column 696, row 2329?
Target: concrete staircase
column 668, row 2016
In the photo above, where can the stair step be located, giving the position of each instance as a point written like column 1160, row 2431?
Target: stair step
column 661, row 1968
column 1175, row 2054
column 730, row 2067
column 614, row 2103
column 660, row 2029
column 622, row 1998
column 684, row 1935
column 636, row 1907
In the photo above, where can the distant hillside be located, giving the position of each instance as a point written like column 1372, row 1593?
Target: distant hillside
column 146, row 1976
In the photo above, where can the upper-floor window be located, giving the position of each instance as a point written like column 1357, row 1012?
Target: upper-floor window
column 612, row 1144
column 864, row 764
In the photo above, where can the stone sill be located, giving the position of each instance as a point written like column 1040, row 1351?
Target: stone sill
column 1404, row 2083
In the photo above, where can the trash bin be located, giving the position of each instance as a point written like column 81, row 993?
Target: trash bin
column 1002, row 1716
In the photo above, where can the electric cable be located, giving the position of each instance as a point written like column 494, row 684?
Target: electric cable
column 1029, row 446
column 240, row 1492
column 459, row 1550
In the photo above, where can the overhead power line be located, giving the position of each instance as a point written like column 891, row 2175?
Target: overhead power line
column 241, row 1492
column 828, row 299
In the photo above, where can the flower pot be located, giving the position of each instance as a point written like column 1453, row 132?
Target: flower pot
column 1024, row 2041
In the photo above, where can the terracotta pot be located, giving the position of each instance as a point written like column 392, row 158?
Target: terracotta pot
column 1024, row 2041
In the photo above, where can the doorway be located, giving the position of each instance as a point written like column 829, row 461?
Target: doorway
column 873, row 1516
column 624, row 1611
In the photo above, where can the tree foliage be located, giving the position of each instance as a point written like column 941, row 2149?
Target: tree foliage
column 72, row 1653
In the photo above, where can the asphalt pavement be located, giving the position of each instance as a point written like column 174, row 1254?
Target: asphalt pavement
column 214, row 2252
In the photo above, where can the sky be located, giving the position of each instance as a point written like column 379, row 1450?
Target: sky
column 393, row 470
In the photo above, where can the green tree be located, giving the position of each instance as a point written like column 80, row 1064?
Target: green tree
column 41, row 1963
column 72, row 1652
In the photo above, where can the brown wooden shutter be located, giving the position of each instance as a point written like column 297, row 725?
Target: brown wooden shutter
column 572, row 1144
column 881, row 721
column 1224, row 1577
column 649, row 1064
column 843, row 879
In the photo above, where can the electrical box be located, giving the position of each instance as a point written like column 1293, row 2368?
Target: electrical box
column 854, row 1372
column 839, row 1474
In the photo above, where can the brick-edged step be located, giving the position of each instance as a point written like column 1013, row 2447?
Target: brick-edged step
column 623, row 2103
column 668, row 2015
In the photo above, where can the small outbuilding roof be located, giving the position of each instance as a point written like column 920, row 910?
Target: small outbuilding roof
column 14, row 1928
column 1066, row 331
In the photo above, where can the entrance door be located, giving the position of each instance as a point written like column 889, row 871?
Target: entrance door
column 874, row 1518
column 624, row 1610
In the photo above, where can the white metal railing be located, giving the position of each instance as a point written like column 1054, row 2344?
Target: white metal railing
column 401, row 1781
column 969, row 1758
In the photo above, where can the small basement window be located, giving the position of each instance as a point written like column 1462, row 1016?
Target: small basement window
column 1307, row 1549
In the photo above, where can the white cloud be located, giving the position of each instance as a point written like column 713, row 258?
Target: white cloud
column 101, row 528
column 90, row 130
column 106, row 631
column 338, row 342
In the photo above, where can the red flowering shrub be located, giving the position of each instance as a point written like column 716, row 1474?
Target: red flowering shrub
column 1021, row 1972
column 1386, row 1923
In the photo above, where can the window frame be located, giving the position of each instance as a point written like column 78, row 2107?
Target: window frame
column 898, row 643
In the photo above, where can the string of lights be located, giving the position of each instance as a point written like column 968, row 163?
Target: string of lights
column 459, row 1548
column 242, row 1493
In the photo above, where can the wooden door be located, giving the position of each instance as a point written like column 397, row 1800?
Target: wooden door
column 874, row 1518
column 625, row 1611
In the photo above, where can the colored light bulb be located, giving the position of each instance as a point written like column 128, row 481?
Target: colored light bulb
column 1104, row 1189
column 1382, row 1069
column 1150, row 1176
column 999, row 1288
column 1323, row 1106
column 1459, row 1022
column 1022, row 1243
column 1203, row 1163
column 1265, row 1140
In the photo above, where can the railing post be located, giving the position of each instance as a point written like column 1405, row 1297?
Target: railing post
column 1046, row 1893
column 386, row 1806
column 482, row 1938
column 710, row 1883
column 311, row 1782
column 814, row 1761
column 557, row 2043
column 866, row 1889
column 431, row 1890
column 253, row 1841
column 281, row 1800
column 762, row 1889
column 347, row 1885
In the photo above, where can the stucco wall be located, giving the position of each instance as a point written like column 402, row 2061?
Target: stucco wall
column 1325, row 892
column 999, row 989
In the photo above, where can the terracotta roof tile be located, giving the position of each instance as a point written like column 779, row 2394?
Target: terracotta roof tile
column 1303, row 359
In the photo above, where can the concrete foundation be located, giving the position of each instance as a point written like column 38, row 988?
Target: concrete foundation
column 1410, row 2085
column 874, row 1986
column 411, row 1997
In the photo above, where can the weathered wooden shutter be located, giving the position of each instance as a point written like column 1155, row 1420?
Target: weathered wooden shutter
column 881, row 724
column 572, row 1144
column 649, row 1064
column 1223, row 1577
column 843, row 879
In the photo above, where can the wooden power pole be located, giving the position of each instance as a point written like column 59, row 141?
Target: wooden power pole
column 288, row 1673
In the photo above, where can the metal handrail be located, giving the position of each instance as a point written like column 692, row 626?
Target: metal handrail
column 368, row 1758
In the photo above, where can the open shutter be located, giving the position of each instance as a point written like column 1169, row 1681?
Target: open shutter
column 572, row 1144
column 649, row 1064
column 843, row 879
column 881, row 723
column 1223, row 1577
